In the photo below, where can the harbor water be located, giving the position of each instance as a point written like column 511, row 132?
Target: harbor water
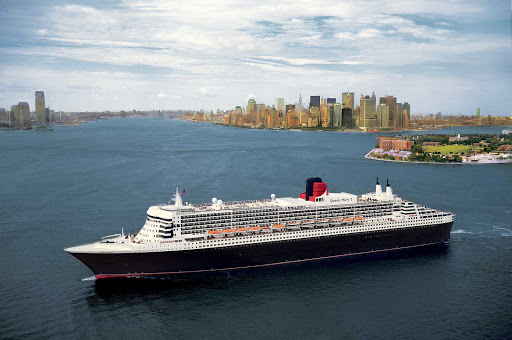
column 76, row 184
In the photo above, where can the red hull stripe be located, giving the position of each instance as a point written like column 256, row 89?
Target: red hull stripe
column 108, row 276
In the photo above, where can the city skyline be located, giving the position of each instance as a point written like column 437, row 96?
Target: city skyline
column 440, row 56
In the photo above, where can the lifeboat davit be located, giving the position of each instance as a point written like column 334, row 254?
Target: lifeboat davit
column 266, row 229
column 293, row 226
column 336, row 221
column 308, row 224
column 322, row 223
column 255, row 229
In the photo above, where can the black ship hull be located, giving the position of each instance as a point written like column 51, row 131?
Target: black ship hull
column 262, row 254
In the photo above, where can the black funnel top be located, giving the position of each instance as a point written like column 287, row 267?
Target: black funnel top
column 309, row 186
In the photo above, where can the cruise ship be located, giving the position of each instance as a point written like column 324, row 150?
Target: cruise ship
column 179, row 239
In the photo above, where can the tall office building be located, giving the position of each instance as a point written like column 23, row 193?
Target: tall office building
column 314, row 101
column 4, row 116
column 367, row 107
column 331, row 100
column 338, row 116
column 394, row 119
column 299, row 105
column 399, row 108
column 383, row 116
column 407, row 108
column 477, row 112
column 280, row 105
column 347, row 100
column 13, row 116
column 251, row 112
column 347, row 120
column 261, row 114
column 40, row 108
column 24, row 114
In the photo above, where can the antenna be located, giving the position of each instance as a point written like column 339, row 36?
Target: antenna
column 377, row 180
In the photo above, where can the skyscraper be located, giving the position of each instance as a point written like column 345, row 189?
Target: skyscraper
column 407, row 108
column 280, row 105
column 399, row 108
column 337, row 119
column 347, row 118
column 251, row 113
column 314, row 101
column 477, row 112
column 331, row 100
column 24, row 114
column 383, row 116
column 40, row 108
column 393, row 115
column 299, row 105
column 347, row 100
column 367, row 106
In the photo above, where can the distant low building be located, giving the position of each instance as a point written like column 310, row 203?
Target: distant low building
column 431, row 143
column 387, row 143
column 457, row 139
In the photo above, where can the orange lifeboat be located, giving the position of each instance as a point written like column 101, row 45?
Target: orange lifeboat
column 214, row 233
column 358, row 218
column 278, row 226
column 254, row 229
column 348, row 219
column 242, row 230
column 266, row 229
column 228, row 232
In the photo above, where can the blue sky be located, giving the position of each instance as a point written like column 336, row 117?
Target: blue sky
column 449, row 56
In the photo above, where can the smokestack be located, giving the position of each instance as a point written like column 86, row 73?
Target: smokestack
column 378, row 188
column 389, row 192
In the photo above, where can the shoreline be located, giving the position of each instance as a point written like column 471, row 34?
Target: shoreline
column 367, row 156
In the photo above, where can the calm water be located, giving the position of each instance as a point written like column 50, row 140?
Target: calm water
column 76, row 184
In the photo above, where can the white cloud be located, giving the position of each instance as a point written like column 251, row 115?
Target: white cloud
column 213, row 54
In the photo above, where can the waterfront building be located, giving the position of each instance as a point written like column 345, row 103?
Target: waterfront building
column 292, row 119
column 407, row 108
column 347, row 100
column 383, row 116
column 260, row 119
column 355, row 117
column 477, row 112
column 280, row 105
column 399, row 108
column 314, row 101
column 389, row 143
column 367, row 107
column 4, row 116
column 337, row 116
column 251, row 112
column 391, row 101
column 40, row 108
column 346, row 118
column 289, row 107
column 315, row 116
column 13, row 116
column 405, row 119
column 24, row 114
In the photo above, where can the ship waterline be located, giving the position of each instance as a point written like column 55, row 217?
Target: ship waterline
column 182, row 239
